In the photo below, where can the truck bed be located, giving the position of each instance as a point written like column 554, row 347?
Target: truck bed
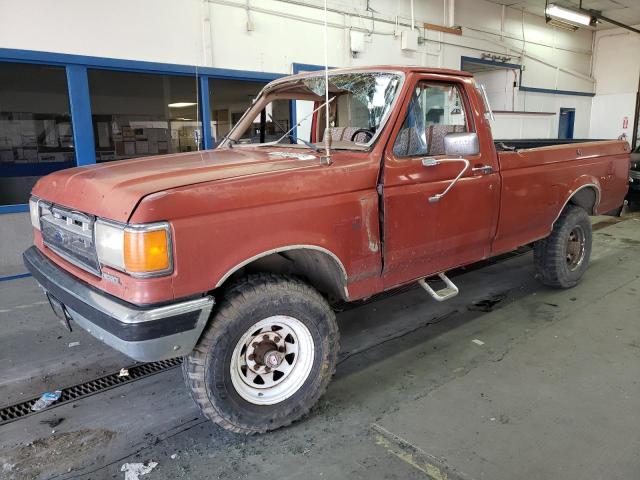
column 536, row 182
column 525, row 143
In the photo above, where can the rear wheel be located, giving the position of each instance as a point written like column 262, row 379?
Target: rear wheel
column 562, row 258
column 266, row 357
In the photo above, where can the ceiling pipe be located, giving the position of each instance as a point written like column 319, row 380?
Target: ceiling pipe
column 413, row 19
column 451, row 14
column 598, row 16
column 207, row 48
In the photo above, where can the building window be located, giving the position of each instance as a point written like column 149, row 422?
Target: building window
column 35, row 127
column 228, row 100
column 139, row 114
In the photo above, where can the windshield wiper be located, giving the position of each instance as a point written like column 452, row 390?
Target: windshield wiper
column 231, row 141
column 308, row 144
column 300, row 122
column 292, row 137
column 287, row 134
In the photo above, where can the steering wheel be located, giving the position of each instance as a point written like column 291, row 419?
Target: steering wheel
column 362, row 130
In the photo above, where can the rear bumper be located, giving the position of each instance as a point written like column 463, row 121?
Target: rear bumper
column 144, row 334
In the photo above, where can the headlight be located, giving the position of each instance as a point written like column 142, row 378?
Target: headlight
column 110, row 243
column 139, row 250
column 34, row 212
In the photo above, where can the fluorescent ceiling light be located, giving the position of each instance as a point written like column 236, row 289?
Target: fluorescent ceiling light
column 181, row 104
column 560, row 24
column 568, row 15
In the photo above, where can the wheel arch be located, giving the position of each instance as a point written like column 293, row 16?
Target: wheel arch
column 320, row 267
column 586, row 196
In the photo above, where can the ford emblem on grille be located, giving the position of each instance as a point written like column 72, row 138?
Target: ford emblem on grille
column 58, row 236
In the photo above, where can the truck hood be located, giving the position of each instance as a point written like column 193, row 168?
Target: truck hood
column 112, row 190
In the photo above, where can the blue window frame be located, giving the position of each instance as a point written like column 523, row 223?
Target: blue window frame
column 80, row 101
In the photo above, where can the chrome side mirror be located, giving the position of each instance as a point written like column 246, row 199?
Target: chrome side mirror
column 461, row 144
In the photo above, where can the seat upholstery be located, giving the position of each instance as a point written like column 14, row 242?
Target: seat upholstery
column 436, row 134
column 345, row 133
column 409, row 143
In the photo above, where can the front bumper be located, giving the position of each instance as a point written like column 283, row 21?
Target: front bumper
column 143, row 333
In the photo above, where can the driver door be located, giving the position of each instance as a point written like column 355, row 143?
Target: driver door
column 424, row 237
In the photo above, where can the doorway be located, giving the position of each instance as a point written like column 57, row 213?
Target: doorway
column 567, row 120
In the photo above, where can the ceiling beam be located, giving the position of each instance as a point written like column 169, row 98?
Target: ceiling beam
column 598, row 15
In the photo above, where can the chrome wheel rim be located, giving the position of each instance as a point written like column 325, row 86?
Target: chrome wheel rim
column 272, row 360
column 575, row 251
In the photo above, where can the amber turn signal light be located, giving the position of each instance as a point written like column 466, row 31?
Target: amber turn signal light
column 146, row 251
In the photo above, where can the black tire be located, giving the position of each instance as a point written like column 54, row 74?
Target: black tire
column 557, row 263
column 207, row 370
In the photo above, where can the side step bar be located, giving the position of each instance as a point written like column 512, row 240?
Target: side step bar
column 443, row 294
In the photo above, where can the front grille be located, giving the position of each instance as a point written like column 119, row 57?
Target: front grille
column 635, row 174
column 70, row 235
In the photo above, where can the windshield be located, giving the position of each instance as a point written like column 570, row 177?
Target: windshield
column 293, row 113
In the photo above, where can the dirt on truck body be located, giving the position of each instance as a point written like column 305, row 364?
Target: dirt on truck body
column 232, row 257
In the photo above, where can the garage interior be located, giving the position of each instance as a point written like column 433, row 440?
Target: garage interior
column 509, row 379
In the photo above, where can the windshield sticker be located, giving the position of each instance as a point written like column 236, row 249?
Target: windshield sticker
column 299, row 156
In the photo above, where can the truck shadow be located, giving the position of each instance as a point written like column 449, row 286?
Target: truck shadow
column 409, row 316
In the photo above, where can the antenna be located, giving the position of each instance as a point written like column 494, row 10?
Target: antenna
column 300, row 122
column 327, row 158
column 197, row 131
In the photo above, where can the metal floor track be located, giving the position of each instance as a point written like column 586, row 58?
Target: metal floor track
column 14, row 412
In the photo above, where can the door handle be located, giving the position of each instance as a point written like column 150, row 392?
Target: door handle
column 432, row 162
column 482, row 169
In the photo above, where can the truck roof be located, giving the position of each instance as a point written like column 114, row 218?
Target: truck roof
column 385, row 68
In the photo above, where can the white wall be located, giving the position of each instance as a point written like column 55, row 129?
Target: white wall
column 545, row 49
column 540, row 102
column 527, row 125
column 503, row 96
column 214, row 33
column 616, row 70
column 155, row 30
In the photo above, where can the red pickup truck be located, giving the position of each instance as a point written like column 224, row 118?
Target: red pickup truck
column 232, row 257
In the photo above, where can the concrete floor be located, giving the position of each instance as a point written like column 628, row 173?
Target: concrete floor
column 508, row 380
column 16, row 233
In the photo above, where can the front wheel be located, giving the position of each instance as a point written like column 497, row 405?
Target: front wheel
column 562, row 258
column 266, row 357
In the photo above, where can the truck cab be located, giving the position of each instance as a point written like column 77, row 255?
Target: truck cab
column 232, row 258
